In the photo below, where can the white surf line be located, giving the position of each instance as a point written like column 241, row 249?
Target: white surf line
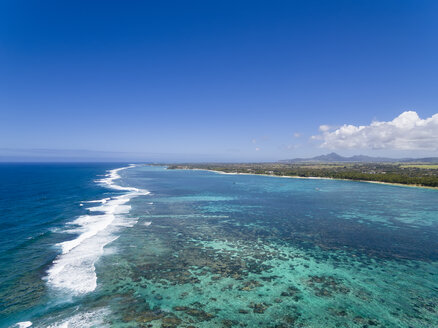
column 23, row 324
column 73, row 271
column 84, row 320
column 104, row 200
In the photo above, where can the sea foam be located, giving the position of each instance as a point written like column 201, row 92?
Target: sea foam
column 83, row 320
column 74, row 269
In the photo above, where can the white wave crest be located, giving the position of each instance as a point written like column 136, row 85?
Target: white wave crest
column 83, row 320
column 74, row 269
column 23, row 324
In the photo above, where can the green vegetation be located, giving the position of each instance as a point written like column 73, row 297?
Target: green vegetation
column 421, row 166
column 418, row 174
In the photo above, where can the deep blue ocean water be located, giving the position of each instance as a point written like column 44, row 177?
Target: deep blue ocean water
column 81, row 249
column 36, row 201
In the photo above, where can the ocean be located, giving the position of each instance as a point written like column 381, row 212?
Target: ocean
column 117, row 245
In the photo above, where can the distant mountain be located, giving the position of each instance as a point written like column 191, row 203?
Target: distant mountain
column 336, row 158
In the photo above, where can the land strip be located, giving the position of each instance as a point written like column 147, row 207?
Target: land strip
column 419, row 175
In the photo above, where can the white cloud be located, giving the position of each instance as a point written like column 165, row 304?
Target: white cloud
column 297, row 135
column 324, row 128
column 257, row 149
column 406, row 132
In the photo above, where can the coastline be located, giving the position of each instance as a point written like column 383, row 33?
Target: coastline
column 319, row 178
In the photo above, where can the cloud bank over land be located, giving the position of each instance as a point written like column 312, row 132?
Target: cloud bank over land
column 406, row 132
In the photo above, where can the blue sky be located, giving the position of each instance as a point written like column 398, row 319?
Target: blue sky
column 216, row 80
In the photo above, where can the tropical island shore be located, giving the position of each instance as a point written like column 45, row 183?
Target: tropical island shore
column 418, row 175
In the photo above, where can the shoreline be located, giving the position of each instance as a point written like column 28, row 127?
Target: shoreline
column 319, row 178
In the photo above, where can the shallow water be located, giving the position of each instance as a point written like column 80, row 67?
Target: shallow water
column 211, row 250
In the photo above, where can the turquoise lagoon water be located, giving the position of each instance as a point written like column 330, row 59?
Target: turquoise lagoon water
column 151, row 247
